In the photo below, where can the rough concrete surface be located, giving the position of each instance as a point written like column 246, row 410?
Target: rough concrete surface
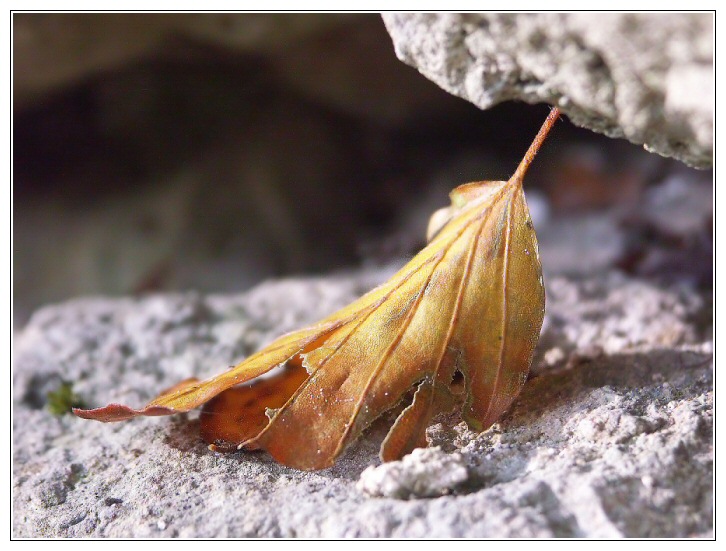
column 611, row 437
column 645, row 77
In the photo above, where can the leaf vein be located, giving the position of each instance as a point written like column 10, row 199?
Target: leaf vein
column 505, row 305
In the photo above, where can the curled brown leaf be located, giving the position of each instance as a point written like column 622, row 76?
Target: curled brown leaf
column 468, row 307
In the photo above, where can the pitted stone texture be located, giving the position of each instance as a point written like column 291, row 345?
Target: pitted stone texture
column 613, row 442
column 425, row 472
column 645, row 77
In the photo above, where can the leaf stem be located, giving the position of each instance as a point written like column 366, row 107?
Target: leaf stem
column 536, row 144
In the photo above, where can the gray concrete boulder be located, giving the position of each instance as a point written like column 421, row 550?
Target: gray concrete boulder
column 645, row 77
column 612, row 437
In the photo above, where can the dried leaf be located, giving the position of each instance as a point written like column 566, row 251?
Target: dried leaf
column 468, row 307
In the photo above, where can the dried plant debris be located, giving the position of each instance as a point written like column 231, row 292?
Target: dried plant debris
column 455, row 328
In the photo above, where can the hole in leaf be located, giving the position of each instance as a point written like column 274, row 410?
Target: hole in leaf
column 458, row 383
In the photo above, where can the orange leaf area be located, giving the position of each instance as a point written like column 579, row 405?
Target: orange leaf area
column 468, row 307
column 240, row 413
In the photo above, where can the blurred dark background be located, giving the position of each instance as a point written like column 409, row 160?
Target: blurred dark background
column 164, row 152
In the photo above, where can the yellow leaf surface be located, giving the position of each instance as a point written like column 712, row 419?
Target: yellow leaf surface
column 468, row 306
